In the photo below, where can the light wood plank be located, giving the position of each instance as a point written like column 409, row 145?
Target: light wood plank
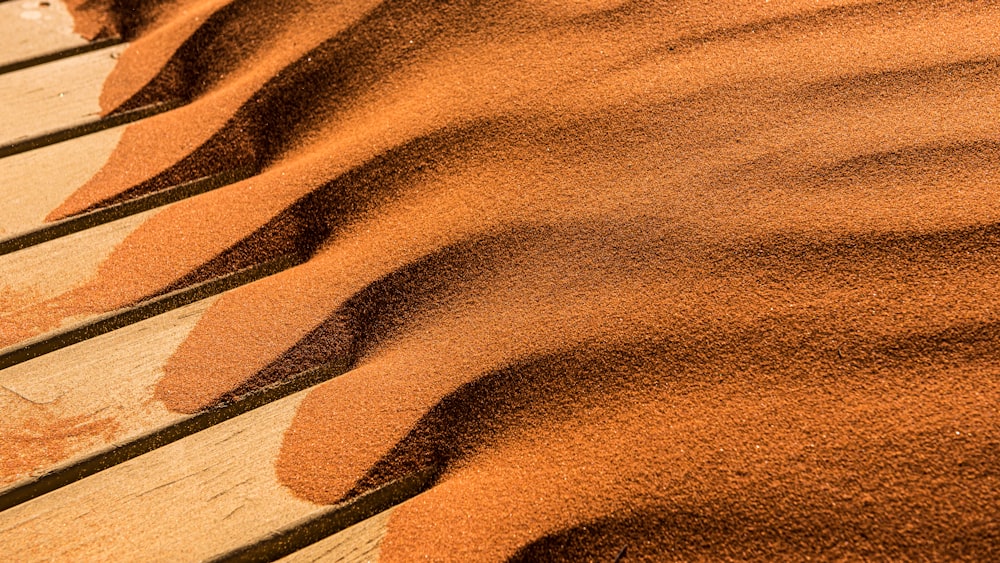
column 63, row 409
column 53, row 96
column 195, row 498
column 46, row 270
column 206, row 495
column 69, row 413
column 34, row 183
column 358, row 544
column 31, row 276
column 32, row 28
column 108, row 378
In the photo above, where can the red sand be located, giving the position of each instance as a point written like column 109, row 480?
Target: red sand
column 35, row 438
column 94, row 19
column 688, row 278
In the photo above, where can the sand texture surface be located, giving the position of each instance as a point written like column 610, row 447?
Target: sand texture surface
column 666, row 280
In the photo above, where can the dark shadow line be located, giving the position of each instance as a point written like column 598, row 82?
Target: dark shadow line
column 98, row 217
column 86, row 128
column 335, row 519
column 150, row 308
column 60, row 54
column 145, row 443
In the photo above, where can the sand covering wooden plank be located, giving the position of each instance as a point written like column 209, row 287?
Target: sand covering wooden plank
column 203, row 496
column 189, row 500
column 90, row 284
column 91, row 392
column 723, row 288
column 34, row 183
column 32, row 277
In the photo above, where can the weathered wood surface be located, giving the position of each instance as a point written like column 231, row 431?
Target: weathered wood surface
column 205, row 493
column 35, row 279
column 34, row 28
column 34, row 183
column 46, row 270
column 357, row 544
column 203, row 496
column 57, row 95
column 192, row 499
column 101, row 389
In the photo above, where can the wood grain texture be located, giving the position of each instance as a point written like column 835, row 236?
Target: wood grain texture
column 211, row 494
column 30, row 29
column 53, row 96
column 34, row 183
column 46, row 270
column 192, row 499
column 96, row 396
column 207, row 494
column 358, row 544
column 105, row 379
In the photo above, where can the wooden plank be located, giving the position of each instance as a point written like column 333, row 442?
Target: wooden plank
column 34, row 28
column 189, row 500
column 54, row 96
column 107, row 378
column 206, row 495
column 34, row 183
column 91, row 405
column 44, row 271
column 30, row 277
column 357, row 544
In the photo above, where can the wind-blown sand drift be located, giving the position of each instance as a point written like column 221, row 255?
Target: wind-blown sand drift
column 694, row 279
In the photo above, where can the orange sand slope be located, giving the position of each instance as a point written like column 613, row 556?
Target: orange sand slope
column 698, row 279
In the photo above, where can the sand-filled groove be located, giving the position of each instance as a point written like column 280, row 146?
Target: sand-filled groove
column 688, row 279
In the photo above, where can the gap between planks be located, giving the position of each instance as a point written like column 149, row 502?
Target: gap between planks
column 109, row 380
column 32, row 33
column 37, row 273
column 34, row 182
column 51, row 231
column 113, row 376
column 69, row 110
column 56, row 95
column 61, row 54
column 360, row 542
column 217, row 490
column 97, row 324
column 59, row 100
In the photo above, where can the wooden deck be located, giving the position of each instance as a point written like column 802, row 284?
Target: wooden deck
column 91, row 467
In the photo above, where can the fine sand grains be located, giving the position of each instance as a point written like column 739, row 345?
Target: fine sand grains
column 684, row 279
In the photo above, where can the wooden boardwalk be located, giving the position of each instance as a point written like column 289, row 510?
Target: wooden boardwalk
column 91, row 467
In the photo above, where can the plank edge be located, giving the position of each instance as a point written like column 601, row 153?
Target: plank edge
column 337, row 518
